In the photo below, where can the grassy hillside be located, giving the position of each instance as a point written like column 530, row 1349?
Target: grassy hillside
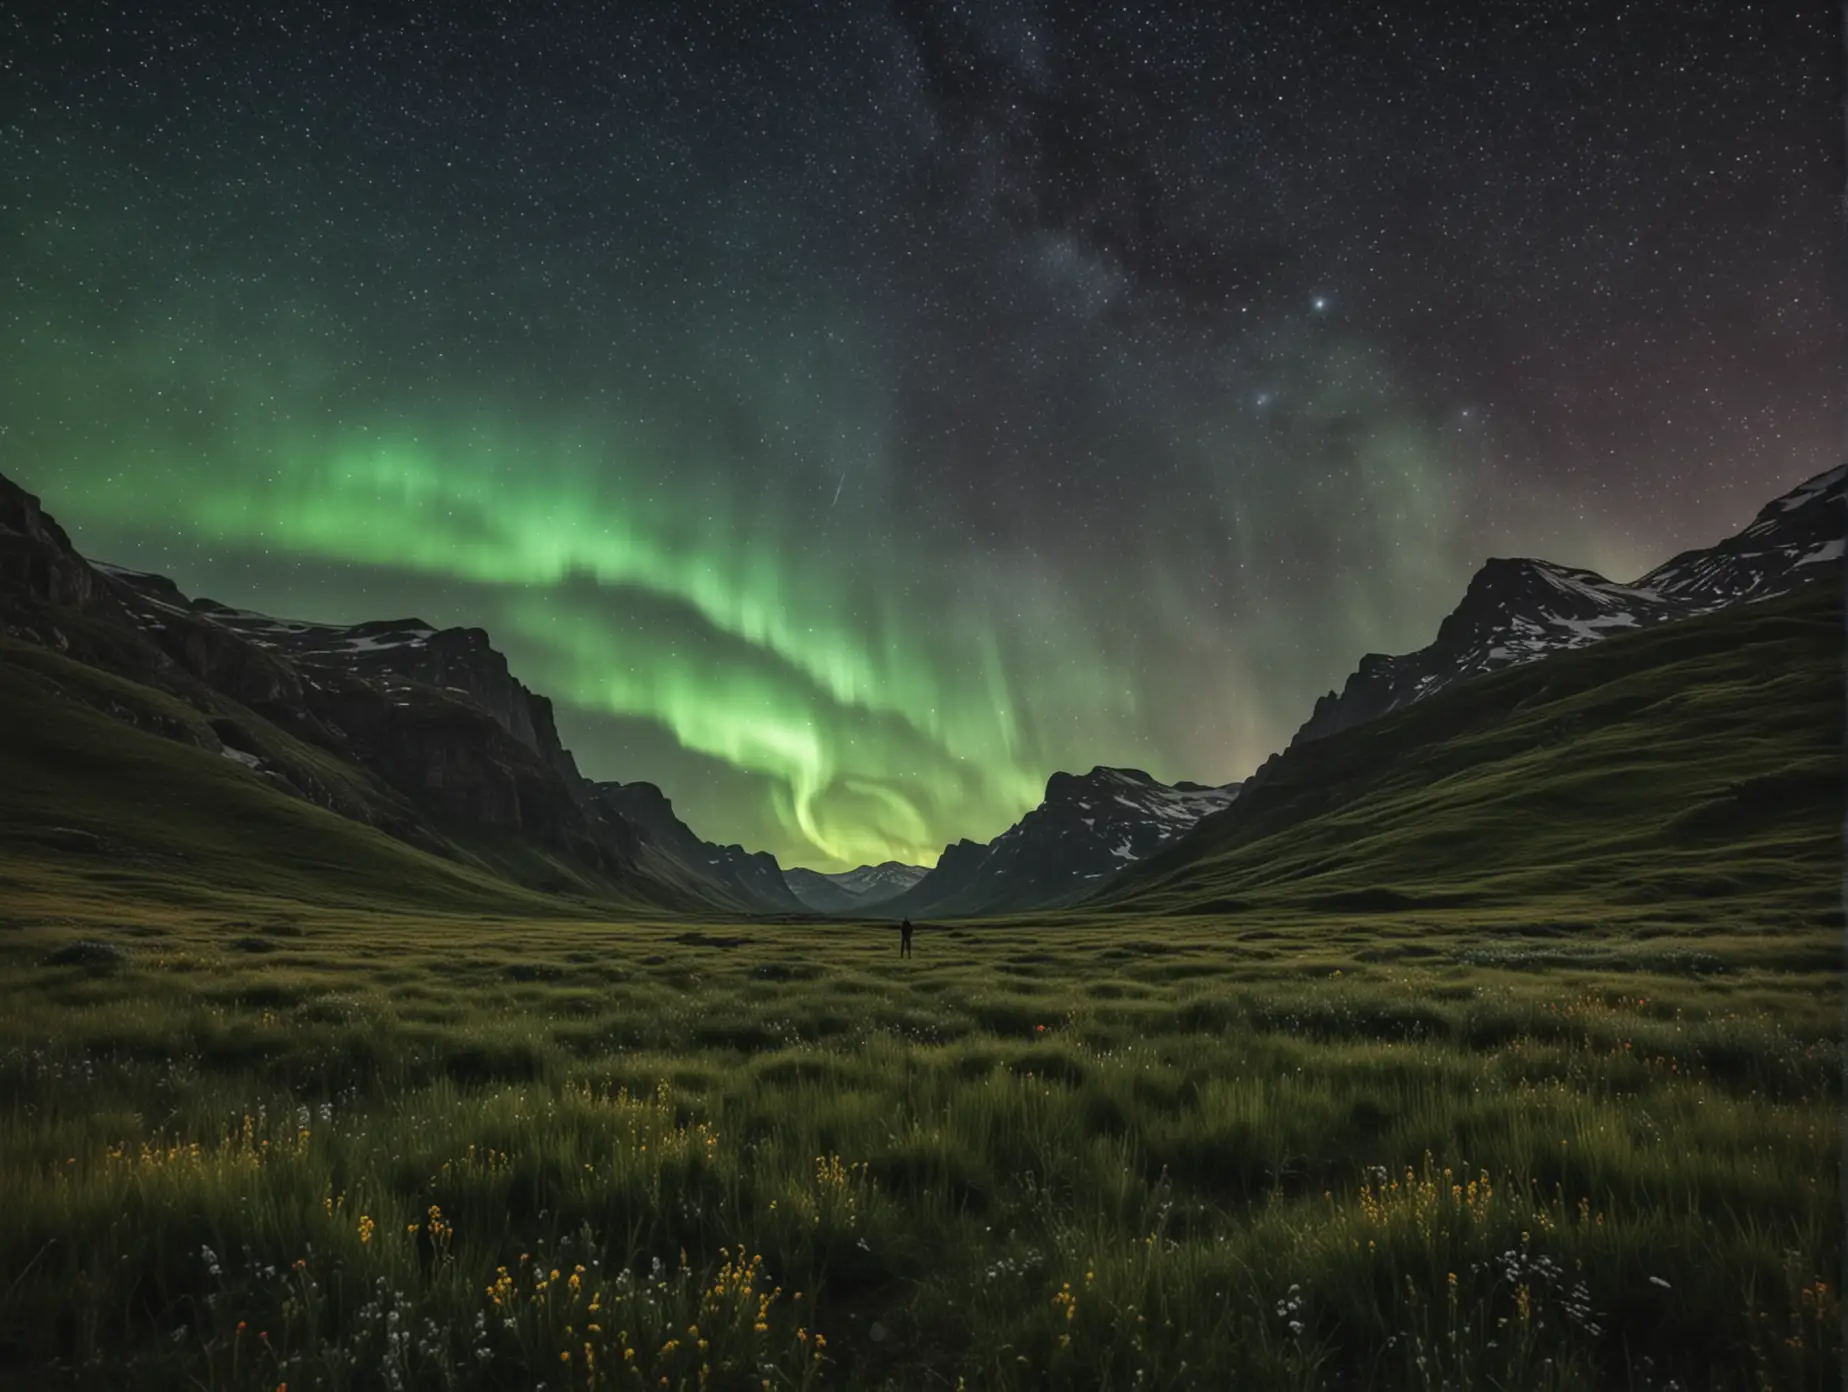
column 1691, row 771
column 106, row 797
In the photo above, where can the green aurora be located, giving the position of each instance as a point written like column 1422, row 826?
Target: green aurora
column 865, row 687
column 844, row 446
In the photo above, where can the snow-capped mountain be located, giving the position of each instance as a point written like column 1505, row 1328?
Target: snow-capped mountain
column 1089, row 827
column 1519, row 610
column 848, row 891
column 871, row 883
column 1782, row 548
column 400, row 659
column 403, row 660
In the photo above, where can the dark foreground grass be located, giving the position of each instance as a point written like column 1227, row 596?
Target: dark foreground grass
column 1400, row 1151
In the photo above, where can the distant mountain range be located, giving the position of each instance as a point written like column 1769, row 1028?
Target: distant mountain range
column 425, row 733
column 852, row 891
column 1088, row 827
column 1519, row 610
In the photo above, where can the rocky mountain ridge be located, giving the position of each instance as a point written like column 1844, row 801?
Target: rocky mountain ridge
column 1520, row 610
column 850, row 891
column 399, row 656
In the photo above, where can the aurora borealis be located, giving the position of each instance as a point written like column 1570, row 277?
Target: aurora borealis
column 850, row 414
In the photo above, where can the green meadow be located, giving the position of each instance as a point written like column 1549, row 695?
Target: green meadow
column 392, row 1151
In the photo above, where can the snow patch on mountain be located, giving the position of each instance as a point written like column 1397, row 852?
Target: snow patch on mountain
column 1089, row 827
column 848, row 891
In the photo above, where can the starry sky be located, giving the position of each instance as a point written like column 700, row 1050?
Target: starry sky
column 852, row 413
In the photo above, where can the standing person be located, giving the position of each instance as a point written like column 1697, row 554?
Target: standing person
column 904, row 938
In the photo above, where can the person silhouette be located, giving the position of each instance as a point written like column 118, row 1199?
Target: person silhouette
column 904, row 938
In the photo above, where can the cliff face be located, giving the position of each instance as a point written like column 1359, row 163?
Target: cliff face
column 394, row 656
column 38, row 561
column 461, row 661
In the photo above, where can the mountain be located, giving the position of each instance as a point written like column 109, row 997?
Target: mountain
column 818, row 891
column 1088, row 827
column 749, row 880
column 124, row 795
column 420, row 732
column 1686, row 776
column 849, row 891
column 1517, row 611
column 395, row 656
column 405, row 663
column 871, row 884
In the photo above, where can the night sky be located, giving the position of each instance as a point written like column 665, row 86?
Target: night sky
column 851, row 414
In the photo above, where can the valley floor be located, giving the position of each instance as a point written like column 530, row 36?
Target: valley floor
column 1412, row 1150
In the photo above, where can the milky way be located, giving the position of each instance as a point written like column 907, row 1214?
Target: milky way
column 852, row 414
